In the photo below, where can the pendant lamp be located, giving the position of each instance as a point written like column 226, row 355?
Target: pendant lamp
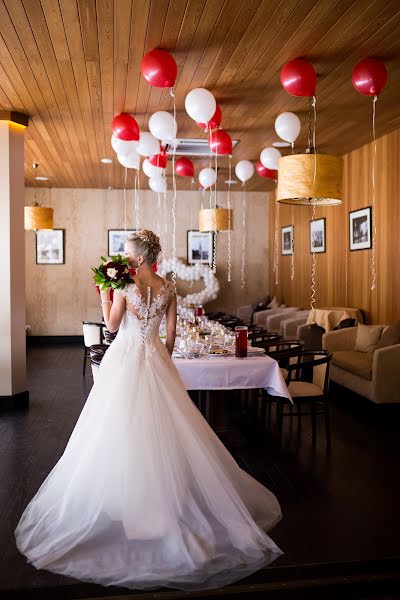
column 310, row 178
column 37, row 217
column 215, row 219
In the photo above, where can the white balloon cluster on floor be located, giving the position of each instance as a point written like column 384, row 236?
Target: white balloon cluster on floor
column 192, row 273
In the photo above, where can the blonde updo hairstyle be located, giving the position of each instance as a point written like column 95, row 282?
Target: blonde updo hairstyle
column 145, row 243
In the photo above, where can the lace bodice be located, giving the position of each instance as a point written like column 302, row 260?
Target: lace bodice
column 144, row 314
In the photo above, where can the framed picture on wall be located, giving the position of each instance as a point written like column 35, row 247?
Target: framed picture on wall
column 360, row 229
column 317, row 236
column 200, row 247
column 287, row 240
column 116, row 240
column 50, row 247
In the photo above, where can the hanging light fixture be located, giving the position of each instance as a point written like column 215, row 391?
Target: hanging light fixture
column 215, row 219
column 37, row 217
column 312, row 178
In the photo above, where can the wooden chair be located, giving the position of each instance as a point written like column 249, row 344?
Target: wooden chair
column 314, row 393
column 262, row 339
column 284, row 352
column 92, row 335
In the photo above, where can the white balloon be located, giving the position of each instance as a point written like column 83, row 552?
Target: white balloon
column 244, row 170
column 207, row 177
column 150, row 170
column 148, row 144
column 163, row 126
column 287, row 126
column 130, row 161
column 269, row 158
column 200, row 105
column 158, row 184
column 121, row 146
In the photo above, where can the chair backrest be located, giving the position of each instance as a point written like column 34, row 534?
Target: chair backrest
column 92, row 333
column 319, row 361
column 286, row 352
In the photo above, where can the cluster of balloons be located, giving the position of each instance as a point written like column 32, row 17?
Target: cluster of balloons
column 202, row 107
column 298, row 78
column 160, row 70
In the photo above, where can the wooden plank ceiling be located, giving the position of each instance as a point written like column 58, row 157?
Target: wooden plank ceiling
column 71, row 65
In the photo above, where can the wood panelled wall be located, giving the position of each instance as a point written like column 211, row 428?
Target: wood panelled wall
column 60, row 297
column 343, row 278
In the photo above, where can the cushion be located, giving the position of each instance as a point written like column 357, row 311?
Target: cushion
column 390, row 336
column 303, row 388
column 274, row 303
column 359, row 363
column 367, row 337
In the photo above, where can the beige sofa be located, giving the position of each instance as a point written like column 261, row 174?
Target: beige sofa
column 260, row 317
column 374, row 375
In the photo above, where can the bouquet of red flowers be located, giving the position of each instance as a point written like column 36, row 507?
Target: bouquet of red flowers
column 113, row 273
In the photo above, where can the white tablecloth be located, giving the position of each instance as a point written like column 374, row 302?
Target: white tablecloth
column 230, row 373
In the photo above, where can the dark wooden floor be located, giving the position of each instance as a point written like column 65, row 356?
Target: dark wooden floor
column 340, row 508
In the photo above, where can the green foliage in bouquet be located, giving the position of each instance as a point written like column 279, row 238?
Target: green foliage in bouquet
column 112, row 273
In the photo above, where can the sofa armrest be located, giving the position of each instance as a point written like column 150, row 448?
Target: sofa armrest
column 342, row 339
column 386, row 374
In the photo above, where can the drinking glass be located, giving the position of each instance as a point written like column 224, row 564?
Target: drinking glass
column 241, row 341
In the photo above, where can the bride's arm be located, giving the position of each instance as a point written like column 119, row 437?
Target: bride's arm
column 112, row 311
column 170, row 316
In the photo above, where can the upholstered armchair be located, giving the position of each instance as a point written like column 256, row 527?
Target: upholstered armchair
column 374, row 375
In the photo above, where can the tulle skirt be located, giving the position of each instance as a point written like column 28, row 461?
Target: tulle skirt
column 145, row 494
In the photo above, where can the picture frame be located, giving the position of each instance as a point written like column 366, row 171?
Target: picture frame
column 318, row 236
column 50, row 247
column 116, row 240
column 200, row 247
column 287, row 234
column 360, row 229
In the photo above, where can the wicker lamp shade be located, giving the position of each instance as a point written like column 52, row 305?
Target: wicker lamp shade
column 38, row 217
column 215, row 219
column 309, row 179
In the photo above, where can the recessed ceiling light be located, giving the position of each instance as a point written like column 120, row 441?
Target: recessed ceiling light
column 106, row 161
column 230, row 181
column 41, row 178
column 282, row 144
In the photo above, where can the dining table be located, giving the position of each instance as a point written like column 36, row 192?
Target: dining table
column 207, row 376
column 231, row 373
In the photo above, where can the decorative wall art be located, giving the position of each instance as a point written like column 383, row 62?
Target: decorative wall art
column 287, row 240
column 317, row 236
column 50, row 247
column 360, row 229
column 200, row 247
column 116, row 240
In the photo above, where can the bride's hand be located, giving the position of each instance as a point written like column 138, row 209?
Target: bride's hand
column 105, row 294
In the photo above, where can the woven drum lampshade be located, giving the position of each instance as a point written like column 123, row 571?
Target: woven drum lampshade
column 215, row 219
column 38, row 217
column 309, row 179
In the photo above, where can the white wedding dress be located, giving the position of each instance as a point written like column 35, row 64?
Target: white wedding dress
column 145, row 494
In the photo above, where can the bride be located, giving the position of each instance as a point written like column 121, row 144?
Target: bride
column 145, row 494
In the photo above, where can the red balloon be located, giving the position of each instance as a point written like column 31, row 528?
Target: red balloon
column 214, row 122
column 220, row 142
column 264, row 172
column 299, row 78
column 159, row 160
column 369, row 77
column 125, row 127
column 184, row 167
column 159, row 68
